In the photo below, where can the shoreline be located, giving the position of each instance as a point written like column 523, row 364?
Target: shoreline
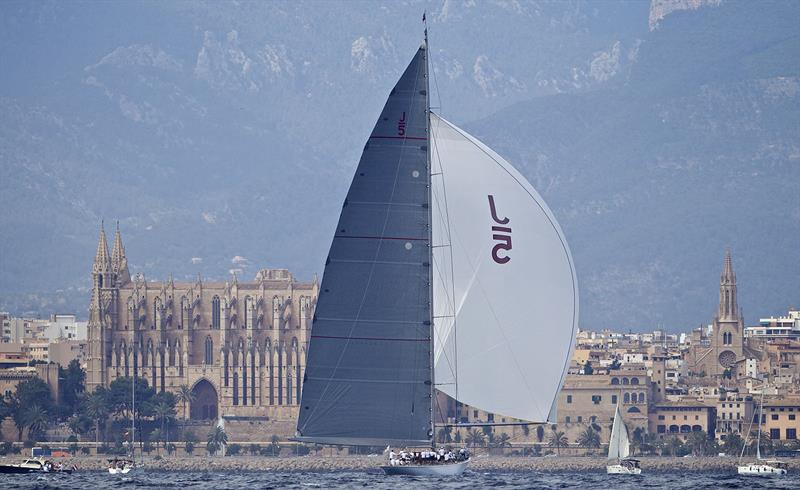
column 372, row 463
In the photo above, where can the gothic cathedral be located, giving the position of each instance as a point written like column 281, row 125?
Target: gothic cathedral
column 240, row 346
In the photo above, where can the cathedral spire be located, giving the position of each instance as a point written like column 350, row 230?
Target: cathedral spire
column 728, row 309
column 102, row 261
column 119, row 263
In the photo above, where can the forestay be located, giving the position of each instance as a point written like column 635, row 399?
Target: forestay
column 368, row 376
column 503, row 277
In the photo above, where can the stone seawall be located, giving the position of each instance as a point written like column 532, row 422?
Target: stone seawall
column 368, row 463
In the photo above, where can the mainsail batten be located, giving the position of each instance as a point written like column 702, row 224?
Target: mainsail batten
column 368, row 375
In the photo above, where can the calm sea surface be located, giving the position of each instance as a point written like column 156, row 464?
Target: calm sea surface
column 347, row 479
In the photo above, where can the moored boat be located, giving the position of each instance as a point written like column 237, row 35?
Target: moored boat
column 619, row 448
column 31, row 465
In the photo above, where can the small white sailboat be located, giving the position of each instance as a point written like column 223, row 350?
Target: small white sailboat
column 619, row 448
column 425, row 291
column 761, row 467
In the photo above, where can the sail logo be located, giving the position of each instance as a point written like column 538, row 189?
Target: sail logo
column 500, row 234
column 401, row 125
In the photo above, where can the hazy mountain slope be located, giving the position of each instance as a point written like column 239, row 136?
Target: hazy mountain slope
column 653, row 179
column 213, row 130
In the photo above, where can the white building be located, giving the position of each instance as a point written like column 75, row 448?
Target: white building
column 65, row 327
column 783, row 327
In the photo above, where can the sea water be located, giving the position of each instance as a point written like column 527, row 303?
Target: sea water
column 219, row 480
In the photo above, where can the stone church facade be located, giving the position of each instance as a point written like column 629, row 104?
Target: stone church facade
column 240, row 346
column 726, row 345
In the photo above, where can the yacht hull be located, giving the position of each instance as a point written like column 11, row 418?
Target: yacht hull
column 452, row 469
column 618, row 469
column 761, row 470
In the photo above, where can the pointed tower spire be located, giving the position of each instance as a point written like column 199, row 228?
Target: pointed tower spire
column 119, row 263
column 728, row 308
column 102, row 261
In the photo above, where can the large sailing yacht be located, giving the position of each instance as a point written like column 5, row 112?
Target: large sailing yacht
column 447, row 272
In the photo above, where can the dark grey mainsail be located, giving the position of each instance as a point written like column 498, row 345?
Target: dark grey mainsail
column 369, row 371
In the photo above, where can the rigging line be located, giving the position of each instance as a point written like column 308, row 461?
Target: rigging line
column 452, row 266
column 380, row 243
column 450, row 303
column 435, row 80
column 555, row 228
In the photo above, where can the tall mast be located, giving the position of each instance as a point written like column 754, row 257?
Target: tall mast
column 133, row 417
column 760, row 414
column 430, row 237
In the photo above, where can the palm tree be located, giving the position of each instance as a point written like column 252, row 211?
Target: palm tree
column 673, row 445
column 733, row 445
column 217, row 438
column 156, row 437
column 165, row 412
column 274, row 446
column 97, row 410
column 185, row 395
column 589, row 438
column 503, row 440
column 475, row 438
column 557, row 440
column 36, row 420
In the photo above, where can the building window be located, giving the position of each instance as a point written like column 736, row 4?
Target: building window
column 580, row 419
column 660, row 417
column 625, row 381
column 566, row 419
column 791, row 416
column 596, row 399
column 614, row 381
column 215, row 312
column 791, row 433
column 661, row 429
column 775, row 434
column 774, row 416
column 626, row 398
column 613, row 399
column 569, row 398
column 634, row 381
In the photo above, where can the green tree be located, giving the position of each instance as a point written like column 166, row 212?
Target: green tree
column 254, row 449
column 156, row 437
column 475, row 438
column 502, row 440
column 184, row 396
column 733, row 445
column 97, row 410
column 217, row 439
column 699, row 443
column 164, row 410
column 673, row 445
column 72, row 381
column 540, row 433
column 457, row 437
column 274, row 446
column 36, row 419
column 27, row 394
column 557, row 440
column 587, row 368
column 233, row 450
column 589, row 438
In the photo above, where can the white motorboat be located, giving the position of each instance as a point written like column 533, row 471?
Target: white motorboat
column 619, row 448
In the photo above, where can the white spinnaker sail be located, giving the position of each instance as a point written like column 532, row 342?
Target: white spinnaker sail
column 618, row 445
column 503, row 274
